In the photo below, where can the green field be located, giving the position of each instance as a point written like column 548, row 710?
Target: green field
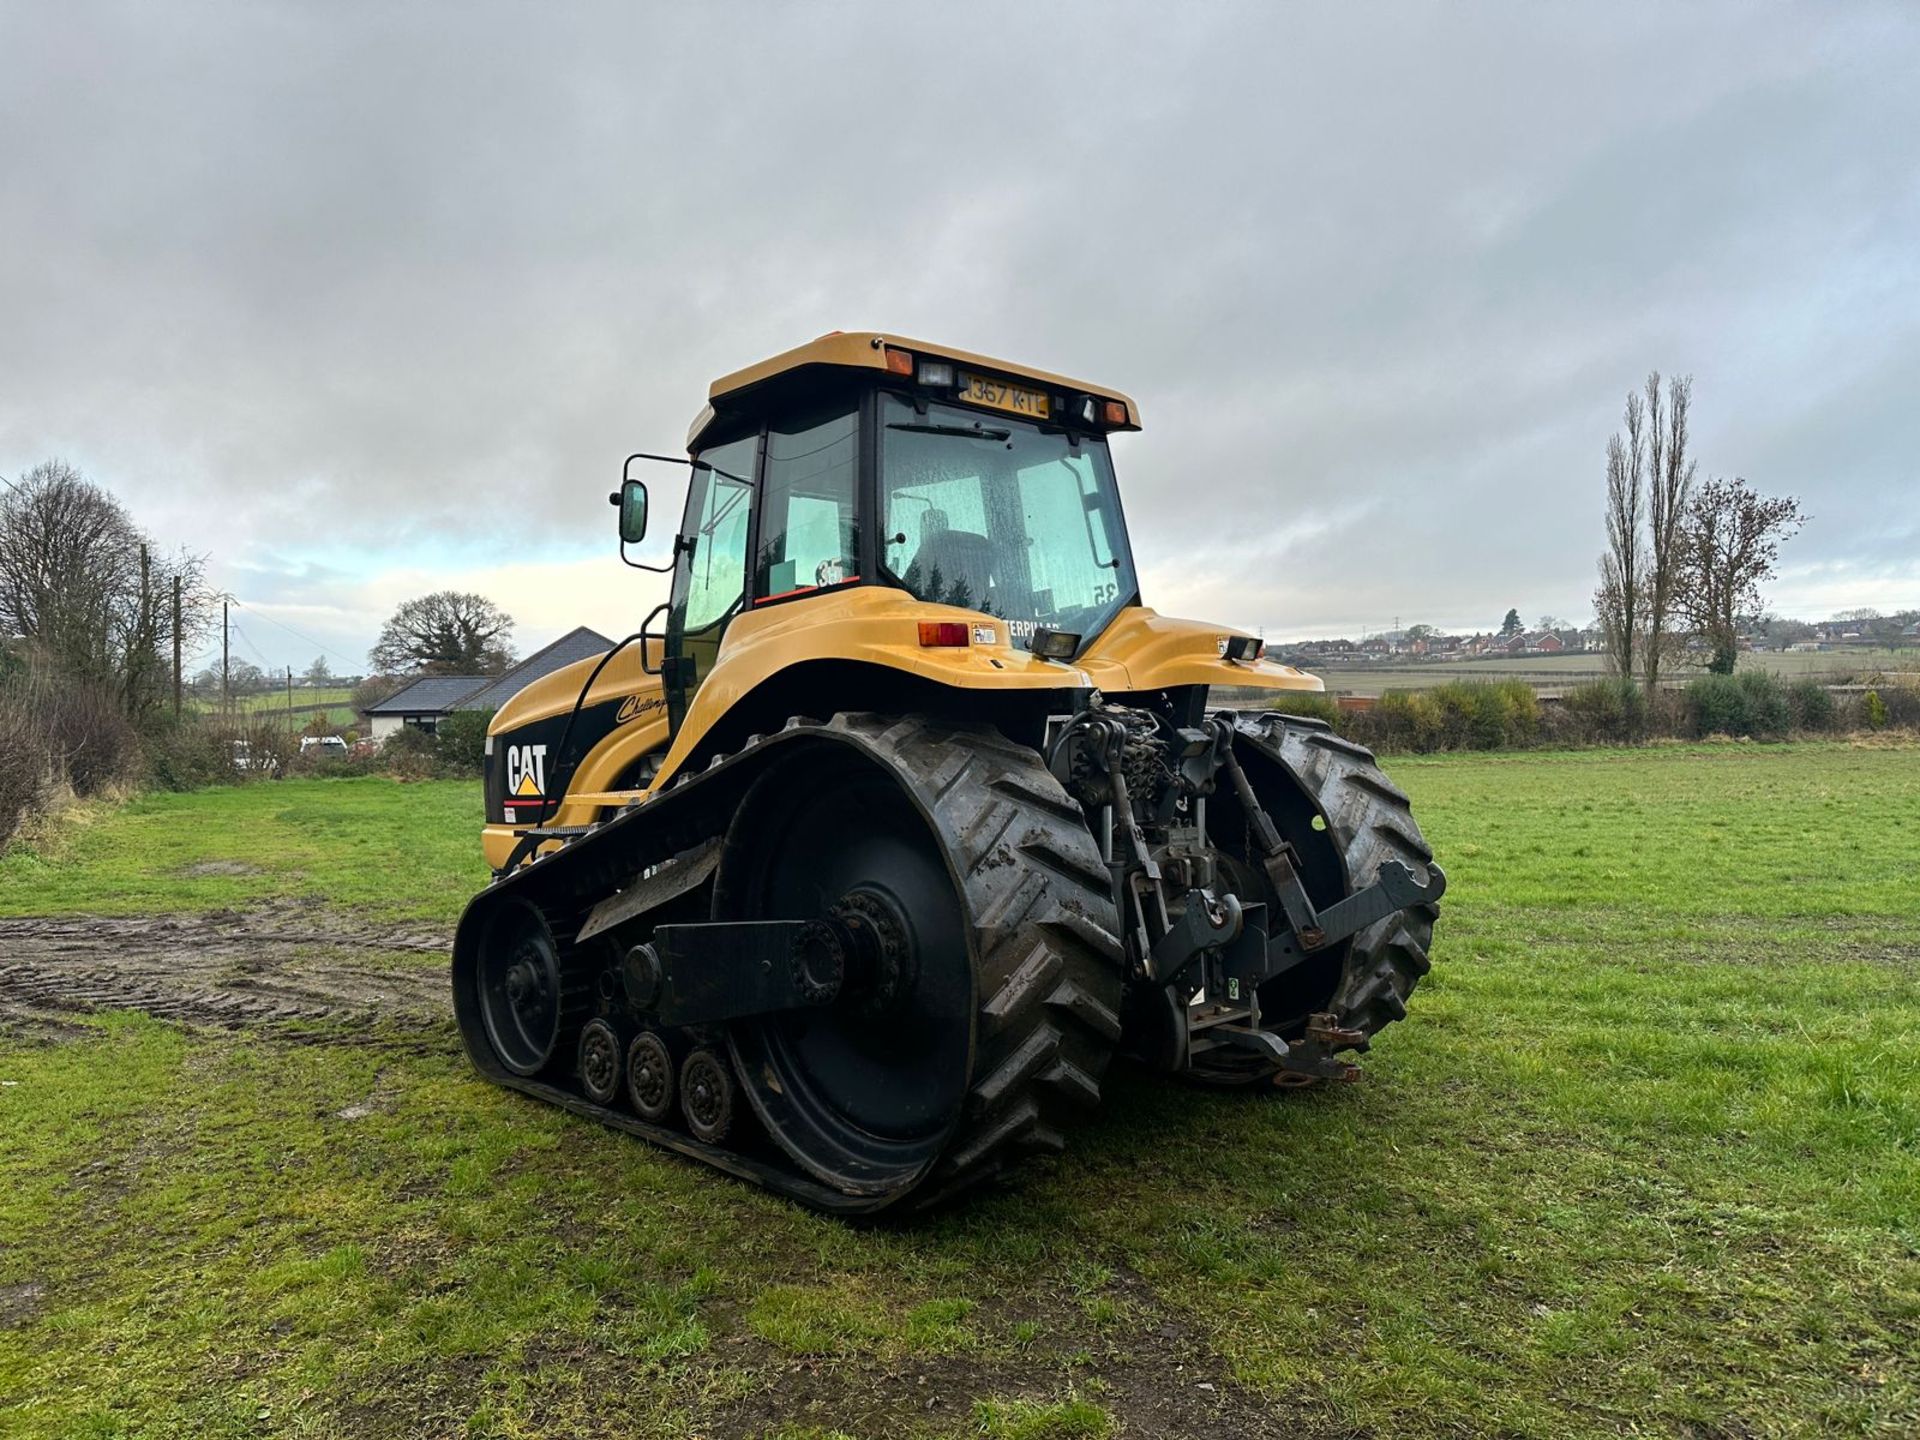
column 304, row 699
column 1553, row 673
column 1644, row 1160
column 374, row 846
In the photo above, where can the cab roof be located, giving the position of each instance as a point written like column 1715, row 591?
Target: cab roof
column 868, row 350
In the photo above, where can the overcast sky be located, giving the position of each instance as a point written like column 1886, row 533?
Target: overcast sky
column 364, row 301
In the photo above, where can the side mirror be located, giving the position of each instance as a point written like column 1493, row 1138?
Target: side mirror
column 631, row 497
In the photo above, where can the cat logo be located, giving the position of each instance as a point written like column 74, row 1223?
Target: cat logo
column 527, row 771
column 634, row 706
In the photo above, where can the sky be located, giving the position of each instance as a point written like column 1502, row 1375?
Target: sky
column 364, row 301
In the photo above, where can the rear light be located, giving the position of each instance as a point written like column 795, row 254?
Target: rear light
column 936, row 373
column 899, row 362
column 1116, row 413
column 945, row 632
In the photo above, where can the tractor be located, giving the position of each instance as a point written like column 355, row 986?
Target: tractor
column 854, row 868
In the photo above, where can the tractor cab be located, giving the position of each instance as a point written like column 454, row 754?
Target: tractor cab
column 872, row 524
column 868, row 461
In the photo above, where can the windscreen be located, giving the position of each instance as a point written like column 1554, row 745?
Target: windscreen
column 1002, row 516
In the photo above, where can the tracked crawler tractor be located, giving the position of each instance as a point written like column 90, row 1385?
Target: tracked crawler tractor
column 852, row 872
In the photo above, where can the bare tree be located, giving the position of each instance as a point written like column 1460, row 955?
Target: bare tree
column 1670, row 472
column 1620, row 601
column 449, row 632
column 87, row 592
column 1728, row 546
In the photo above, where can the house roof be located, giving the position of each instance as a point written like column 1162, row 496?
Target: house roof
column 429, row 695
column 579, row 643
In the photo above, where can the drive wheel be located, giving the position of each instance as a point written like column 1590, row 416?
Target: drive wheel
column 519, row 985
column 650, row 1076
column 980, row 1019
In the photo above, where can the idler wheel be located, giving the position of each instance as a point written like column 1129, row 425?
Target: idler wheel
column 650, row 1076
column 706, row 1096
column 518, row 980
column 600, row 1056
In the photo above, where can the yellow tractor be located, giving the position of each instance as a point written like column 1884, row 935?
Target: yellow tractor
column 852, row 871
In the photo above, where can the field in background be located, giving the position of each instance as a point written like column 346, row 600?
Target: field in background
column 328, row 704
column 1551, row 674
column 1645, row 1159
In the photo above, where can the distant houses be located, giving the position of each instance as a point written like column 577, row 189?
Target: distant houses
column 1396, row 645
column 430, row 699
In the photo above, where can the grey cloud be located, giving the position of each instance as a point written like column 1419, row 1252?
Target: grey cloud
column 413, row 279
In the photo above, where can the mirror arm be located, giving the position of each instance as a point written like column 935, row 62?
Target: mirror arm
column 666, row 569
column 645, row 625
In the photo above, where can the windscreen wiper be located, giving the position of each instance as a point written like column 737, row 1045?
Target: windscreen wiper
column 965, row 432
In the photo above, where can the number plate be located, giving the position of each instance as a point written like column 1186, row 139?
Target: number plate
column 1004, row 395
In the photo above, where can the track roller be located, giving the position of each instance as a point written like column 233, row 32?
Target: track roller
column 650, row 1077
column 706, row 1095
column 600, row 1057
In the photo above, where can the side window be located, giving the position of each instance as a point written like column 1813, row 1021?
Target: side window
column 808, row 534
column 721, row 508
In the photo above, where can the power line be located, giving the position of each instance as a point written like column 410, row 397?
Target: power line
column 247, row 641
column 308, row 639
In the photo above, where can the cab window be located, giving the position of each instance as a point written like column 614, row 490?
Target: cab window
column 713, row 574
column 809, row 538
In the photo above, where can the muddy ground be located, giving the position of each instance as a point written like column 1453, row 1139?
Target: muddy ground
column 266, row 966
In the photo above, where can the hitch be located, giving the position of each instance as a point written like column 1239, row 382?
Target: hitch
column 1209, row 922
column 1394, row 888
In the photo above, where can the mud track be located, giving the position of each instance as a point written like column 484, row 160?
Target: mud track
column 235, row 969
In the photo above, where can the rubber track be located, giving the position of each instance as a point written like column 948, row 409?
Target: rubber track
column 1371, row 821
column 1047, row 960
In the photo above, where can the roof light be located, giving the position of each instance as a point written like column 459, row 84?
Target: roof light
column 945, row 632
column 1054, row 644
column 900, row 362
column 1116, row 413
column 1240, row 648
column 936, row 372
column 1085, row 409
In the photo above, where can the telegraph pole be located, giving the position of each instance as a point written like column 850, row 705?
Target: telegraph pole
column 176, row 647
column 226, row 641
column 137, row 673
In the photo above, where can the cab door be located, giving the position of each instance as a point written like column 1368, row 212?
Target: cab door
column 710, row 572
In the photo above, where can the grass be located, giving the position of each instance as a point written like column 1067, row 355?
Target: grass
column 372, row 845
column 1644, row 1160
